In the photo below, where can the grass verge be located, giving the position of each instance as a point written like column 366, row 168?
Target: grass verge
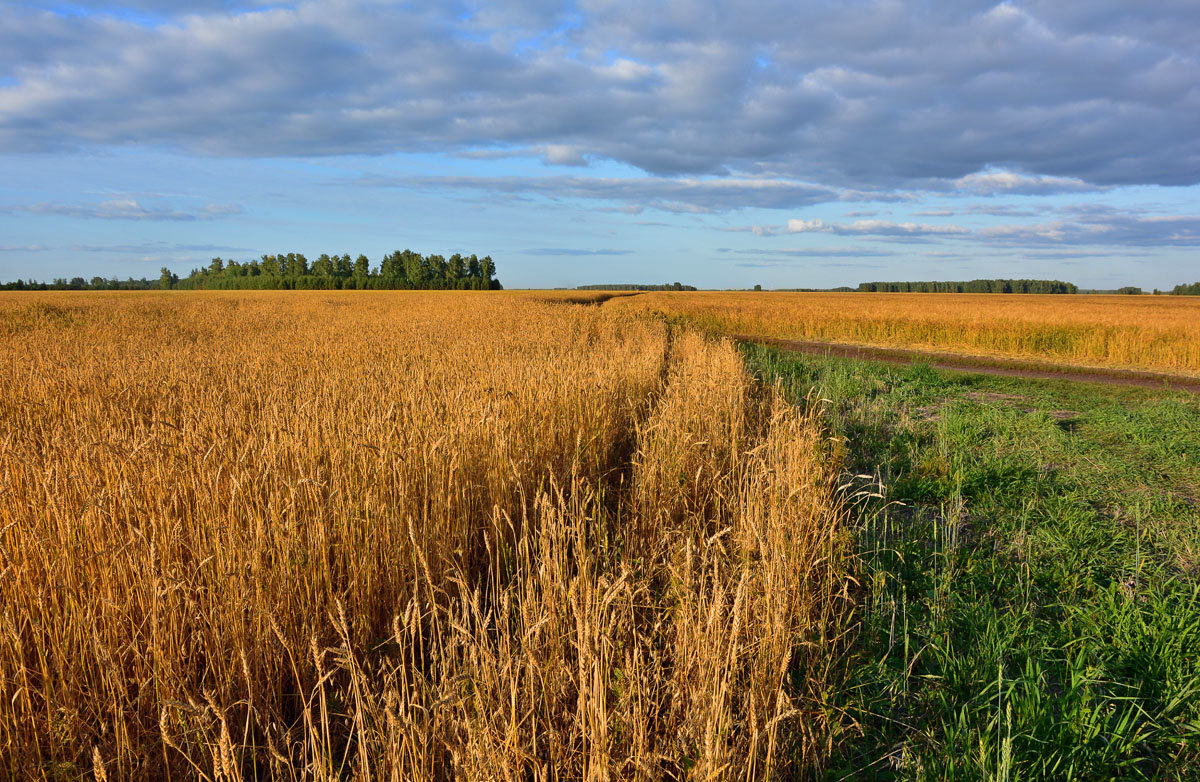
column 1029, row 559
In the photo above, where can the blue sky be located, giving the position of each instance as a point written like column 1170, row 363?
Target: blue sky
column 784, row 143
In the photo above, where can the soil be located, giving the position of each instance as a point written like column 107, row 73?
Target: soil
column 986, row 365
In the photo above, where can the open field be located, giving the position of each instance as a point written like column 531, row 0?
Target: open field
column 1157, row 333
column 405, row 536
column 544, row 535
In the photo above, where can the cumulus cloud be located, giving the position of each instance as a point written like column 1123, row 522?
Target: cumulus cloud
column 126, row 209
column 879, row 95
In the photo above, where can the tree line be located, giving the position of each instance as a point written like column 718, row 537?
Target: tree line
column 403, row 269
column 970, row 286
column 1187, row 290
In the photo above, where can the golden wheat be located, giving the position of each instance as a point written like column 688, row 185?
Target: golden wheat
column 1139, row 332
column 403, row 536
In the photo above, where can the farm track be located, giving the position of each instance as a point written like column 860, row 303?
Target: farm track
column 985, row 365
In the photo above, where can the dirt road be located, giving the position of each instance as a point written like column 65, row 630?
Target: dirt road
column 986, row 365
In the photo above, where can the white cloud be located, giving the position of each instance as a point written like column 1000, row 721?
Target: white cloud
column 563, row 155
column 1103, row 228
column 875, row 228
column 1025, row 97
column 995, row 182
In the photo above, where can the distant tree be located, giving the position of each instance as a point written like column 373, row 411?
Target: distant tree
column 970, row 286
column 474, row 275
column 758, row 287
column 323, row 266
column 1130, row 290
column 405, row 269
column 362, row 272
column 343, row 269
column 487, row 270
column 456, row 272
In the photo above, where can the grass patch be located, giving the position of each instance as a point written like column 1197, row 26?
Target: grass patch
column 1029, row 557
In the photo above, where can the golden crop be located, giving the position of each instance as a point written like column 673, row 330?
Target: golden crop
column 1139, row 332
column 403, row 536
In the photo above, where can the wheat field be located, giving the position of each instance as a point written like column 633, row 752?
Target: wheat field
column 1157, row 333
column 404, row 536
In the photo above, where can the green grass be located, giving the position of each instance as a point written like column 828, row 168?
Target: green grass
column 1030, row 568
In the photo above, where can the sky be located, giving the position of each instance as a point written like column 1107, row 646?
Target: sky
column 785, row 143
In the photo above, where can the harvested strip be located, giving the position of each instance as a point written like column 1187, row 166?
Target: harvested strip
column 985, row 365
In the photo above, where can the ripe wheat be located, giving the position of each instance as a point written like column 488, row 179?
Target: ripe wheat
column 404, row 536
column 1140, row 332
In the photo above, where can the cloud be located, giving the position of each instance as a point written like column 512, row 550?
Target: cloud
column 876, row 228
column 991, row 182
column 563, row 155
column 757, row 230
column 566, row 251
column 1004, row 211
column 158, row 247
column 1068, row 255
column 812, row 252
column 1103, row 229
column 1081, row 224
column 126, row 209
column 1029, row 97
column 663, row 193
column 28, row 248
column 785, row 262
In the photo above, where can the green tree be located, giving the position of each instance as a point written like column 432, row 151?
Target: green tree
column 362, row 272
column 456, row 272
column 342, row 270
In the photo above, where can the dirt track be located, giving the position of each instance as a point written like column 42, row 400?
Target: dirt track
column 986, row 365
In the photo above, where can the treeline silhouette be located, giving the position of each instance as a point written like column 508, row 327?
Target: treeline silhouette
column 1187, row 290
column 403, row 269
column 666, row 286
column 970, row 286
column 80, row 284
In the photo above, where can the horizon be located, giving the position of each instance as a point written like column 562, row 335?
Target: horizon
column 776, row 144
